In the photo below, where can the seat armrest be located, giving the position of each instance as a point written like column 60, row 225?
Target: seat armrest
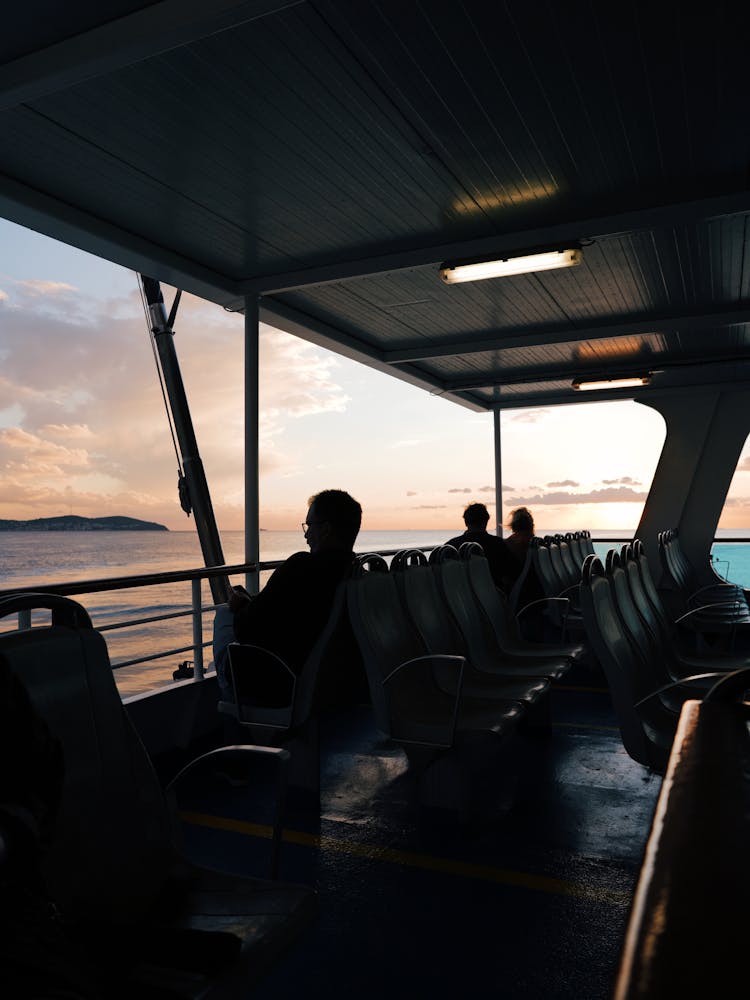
column 279, row 754
column 264, row 689
column 436, row 729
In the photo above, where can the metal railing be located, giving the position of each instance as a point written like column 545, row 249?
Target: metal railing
column 196, row 610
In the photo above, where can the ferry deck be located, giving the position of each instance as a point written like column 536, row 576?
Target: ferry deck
column 327, row 167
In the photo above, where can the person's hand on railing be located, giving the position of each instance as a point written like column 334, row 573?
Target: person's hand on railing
column 238, row 598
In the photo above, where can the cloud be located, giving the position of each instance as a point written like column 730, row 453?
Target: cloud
column 622, row 494
column 79, row 383
column 744, row 465
column 426, row 506
column 37, row 286
column 737, row 502
column 410, row 493
column 464, row 489
column 622, row 481
column 66, row 431
column 565, row 482
column 3, row 296
column 529, row 416
column 407, row 443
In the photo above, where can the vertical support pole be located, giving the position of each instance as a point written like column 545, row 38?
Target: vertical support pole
column 198, row 671
column 24, row 618
column 498, row 475
column 252, row 408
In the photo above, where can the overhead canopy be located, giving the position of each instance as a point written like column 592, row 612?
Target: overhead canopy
column 330, row 154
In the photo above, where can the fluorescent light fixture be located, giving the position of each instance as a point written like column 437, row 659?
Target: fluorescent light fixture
column 476, row 270
column 613, row 383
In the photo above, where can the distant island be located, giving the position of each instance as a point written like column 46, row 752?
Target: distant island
column 71, row 522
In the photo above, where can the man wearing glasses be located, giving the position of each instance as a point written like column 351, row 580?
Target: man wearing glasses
column 291, row 611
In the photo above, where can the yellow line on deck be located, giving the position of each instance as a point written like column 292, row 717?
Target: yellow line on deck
column 388, row 855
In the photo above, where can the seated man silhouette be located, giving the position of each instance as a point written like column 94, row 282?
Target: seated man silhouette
column 502, row 564
column 291, row 611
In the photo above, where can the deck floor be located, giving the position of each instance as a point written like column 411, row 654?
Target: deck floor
column 526, row 894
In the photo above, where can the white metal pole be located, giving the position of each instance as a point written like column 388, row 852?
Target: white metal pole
column 252, row 492
column 498, row 475
column 197, row 600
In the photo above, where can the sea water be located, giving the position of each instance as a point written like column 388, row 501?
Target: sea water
column 29, row 558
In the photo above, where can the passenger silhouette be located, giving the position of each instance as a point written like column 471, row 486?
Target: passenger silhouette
column 501, row 563
column 289, row 614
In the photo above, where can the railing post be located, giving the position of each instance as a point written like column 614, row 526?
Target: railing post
column 198, row 671
column 24, row 618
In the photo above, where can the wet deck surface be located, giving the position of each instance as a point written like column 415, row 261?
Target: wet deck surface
column 525, row 895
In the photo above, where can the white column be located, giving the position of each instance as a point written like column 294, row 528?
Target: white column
column 252, row 493
column 498, row 475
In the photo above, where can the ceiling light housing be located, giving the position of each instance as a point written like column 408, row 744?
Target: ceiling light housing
column 455, row 272
column 630, row 382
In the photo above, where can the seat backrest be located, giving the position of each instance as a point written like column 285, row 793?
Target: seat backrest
column 587, row 545
column 644, row 733
column 424, row 604
column 574, row 543
column 653, row 618
column 655, row 657
column 487, row 595
column 558, row 567
column 111, row 851
column 572, row 572
column 383, row 631
column 477, row 631
column 544, row 569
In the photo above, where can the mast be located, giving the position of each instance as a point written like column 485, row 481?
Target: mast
column 194, row 492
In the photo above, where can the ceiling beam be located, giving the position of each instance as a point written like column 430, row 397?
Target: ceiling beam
column 531, row 337
column 35, row 210
column 612, row 371
column 571, row 398
column 597, row 227
column 127, row 40
column 282, row 317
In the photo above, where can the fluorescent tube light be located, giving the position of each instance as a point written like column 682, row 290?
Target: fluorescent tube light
column 613, row 383
column 477, row 270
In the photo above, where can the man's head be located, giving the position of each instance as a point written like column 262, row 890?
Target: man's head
column 333, row 520
column 476, row 516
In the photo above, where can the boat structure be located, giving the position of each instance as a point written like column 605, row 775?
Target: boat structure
column 512, row 205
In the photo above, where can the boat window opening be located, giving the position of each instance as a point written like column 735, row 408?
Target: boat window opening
column 730, row 553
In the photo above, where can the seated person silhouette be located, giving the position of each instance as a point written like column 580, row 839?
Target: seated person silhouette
column 502, row 564
column 291, row 611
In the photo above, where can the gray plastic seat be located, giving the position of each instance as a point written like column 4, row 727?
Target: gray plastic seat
column 113, row 861
column 409, row 704
column 418, row 589
column 648, row 730
column 492, row 603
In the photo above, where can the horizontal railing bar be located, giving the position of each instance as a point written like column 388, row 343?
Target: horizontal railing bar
column 145, row 621
column 128, row 582
column 158, row 656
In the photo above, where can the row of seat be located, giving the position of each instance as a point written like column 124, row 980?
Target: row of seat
column 441, row 659
column 555, row 562
column 718, row 606
column 649, row 674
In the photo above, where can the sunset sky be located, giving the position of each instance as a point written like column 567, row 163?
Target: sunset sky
column 83, row 429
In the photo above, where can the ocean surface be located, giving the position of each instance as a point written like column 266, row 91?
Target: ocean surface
column 28, row 558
